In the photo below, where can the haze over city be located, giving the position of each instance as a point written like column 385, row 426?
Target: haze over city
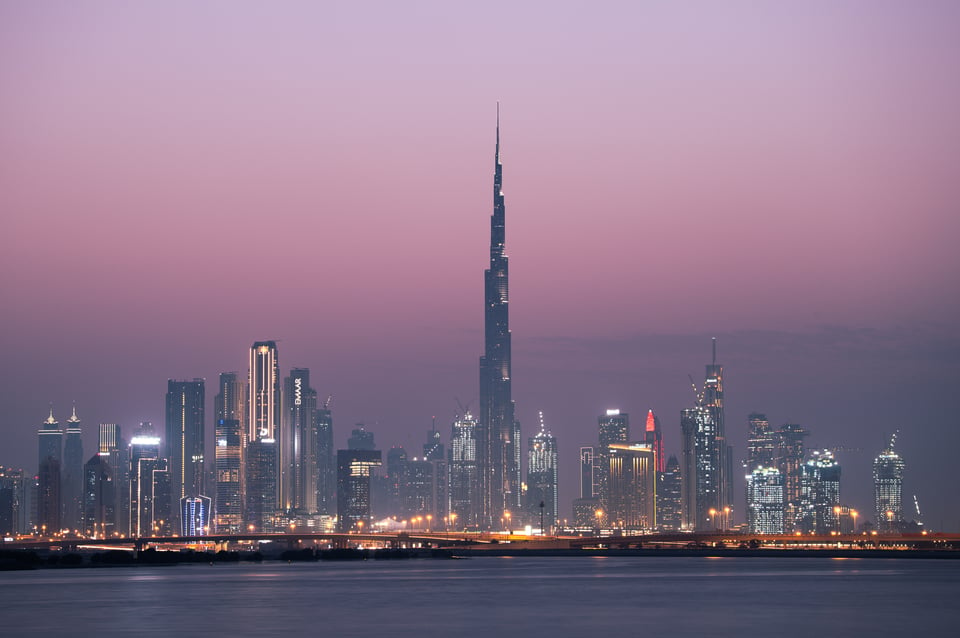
column 180, row 181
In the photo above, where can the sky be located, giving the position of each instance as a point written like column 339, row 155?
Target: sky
column 181, row 179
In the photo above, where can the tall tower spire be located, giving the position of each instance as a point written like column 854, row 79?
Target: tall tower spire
column 498, row 437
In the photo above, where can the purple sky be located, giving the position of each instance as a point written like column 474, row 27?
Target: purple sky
column 180, row 179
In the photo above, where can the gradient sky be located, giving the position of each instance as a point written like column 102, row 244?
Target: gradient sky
column 179, row 179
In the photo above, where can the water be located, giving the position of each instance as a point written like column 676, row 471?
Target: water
column 493, row 596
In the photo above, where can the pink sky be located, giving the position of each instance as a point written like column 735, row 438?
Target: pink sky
column 178, row 181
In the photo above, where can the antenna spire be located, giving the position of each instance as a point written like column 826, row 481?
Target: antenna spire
column 714, row 350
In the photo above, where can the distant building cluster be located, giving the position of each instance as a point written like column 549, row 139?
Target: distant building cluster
column 274, row 466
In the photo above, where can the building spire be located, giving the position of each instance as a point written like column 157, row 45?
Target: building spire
column 73, row 418
column 498, row 132
column 714, row 351
column 50, row 420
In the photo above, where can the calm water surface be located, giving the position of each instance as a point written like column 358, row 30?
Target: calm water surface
column 493, row 596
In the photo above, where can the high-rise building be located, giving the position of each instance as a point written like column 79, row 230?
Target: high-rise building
column 195, row 516
column 113, row 447
column 765, row 500
column 820, row 493
column 498, row 440
column 72, row 484
column 433, row 449
column 353, row 488
column 791, row 455
column 49, row 476
column 762, row 445
column 147, row 488
column 360, row 439
column 542, row 498
column 613, row 428
column 715, row 438
column 632, row 486
column 13, row 515
column 262, row 458
column 690, row 424
column 228, row 507
column 654, row 436
column 465, row 486
column 326, row 462
column 888, row 488
column 231, row 399
column 185, row 401
column 299, row 443
column 263, row 408
column 587, row 472
column 587, row 504
column 669, row 490
column 99, row 497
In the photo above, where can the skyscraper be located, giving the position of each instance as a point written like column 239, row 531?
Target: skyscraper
column 228, row 506
column 587, row 471
column 669, row 489
column 114, row 448
column 654, row 436
column 185, row 401
column 49, row 473
column 716, row 438
column 820, row 493
column 888, row 488
column 145, row 463
column 231, row 399
column 631, row 503
column 497, row 430
column 300, row 443
column 790, row 458
column 465, row 486
column 765, row 500
column 262, row 459
column 700, row 469
column 353, row 488
column 99, row 497
column 72, row 484
column 613, row 428
column 542, row 496
column 326, row 462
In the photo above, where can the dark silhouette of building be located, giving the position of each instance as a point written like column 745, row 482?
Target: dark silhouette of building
column 260, row 506
column 184, row 444
column 72, row 483
column 669, row 489
column 114, row 449
column 360, row 439
column 299, row 428
column 498, row 451
column 613, row 427
column 326, row 462
column 99, row 497
column 49, row 475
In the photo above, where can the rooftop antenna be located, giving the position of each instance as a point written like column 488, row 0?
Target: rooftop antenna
column 714, row 350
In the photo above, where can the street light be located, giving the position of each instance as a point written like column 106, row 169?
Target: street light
column 853, row 515
column 713, row 516
column 726, row 516
column 836, row 513
column 506, row 513
column 429, row 518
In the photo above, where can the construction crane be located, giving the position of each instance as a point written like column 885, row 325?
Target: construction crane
column 326, row 403
column 698, row 394
column 464, row 409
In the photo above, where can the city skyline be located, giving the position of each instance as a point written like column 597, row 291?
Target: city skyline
column 819, row 256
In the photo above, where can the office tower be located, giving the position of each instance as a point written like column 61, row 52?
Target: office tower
column 12, row 515
column 114, row 449
column 263, row 412
column 353, row 488
column 497, row 436
column 587, row 466
column 820, row 493
column 669, row 490
column 231, row 400
column 465, row 485
column 195, row 516
column 185, row 402
column 299, row 440
column 99, row 497
column 790, row 459
column 654, row 436
column 228, row 510
column 699, row 468
column 360, row 439
column 262, row 457
column 542, row 499
column 762, row 443
column 326, row 462
column 72, row 485
column 385, row 498
column 632, row 484
column 715, row 438
column 765, row 500
column 50, row 468
column 613, row 428
column 415, row 491
column 888, row 488
column 260, row 504
column 146, row 513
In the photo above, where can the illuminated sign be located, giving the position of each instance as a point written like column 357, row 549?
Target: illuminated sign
column 297, row 390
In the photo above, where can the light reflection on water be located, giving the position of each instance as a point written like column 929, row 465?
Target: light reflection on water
column 479, row 596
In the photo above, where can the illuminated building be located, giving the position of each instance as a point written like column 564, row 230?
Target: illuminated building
column 149, row 483
column 50, row 467
column 765, row 501
column 613, row 427
column 353, row 488
column 99, row 497
column 260, row 482
column 13, row 514
column 263, row 410
column 300, row 443
column 654, row 436
column 888, row 488
column 820, row 493
column 498, row 454
column 632, row 486
column 72, row 485
column 184, row 427
column 701, row 469
column 228, row 511
column 195, row 516
column 689, row 424
column 791, row 455
column 433, row 449
column 114, row 449
column 762, row 445
column 542, row 498
column 587, row 480
column 669, row 489
column 464, row 493
column 717, row 486
column 231, row 400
